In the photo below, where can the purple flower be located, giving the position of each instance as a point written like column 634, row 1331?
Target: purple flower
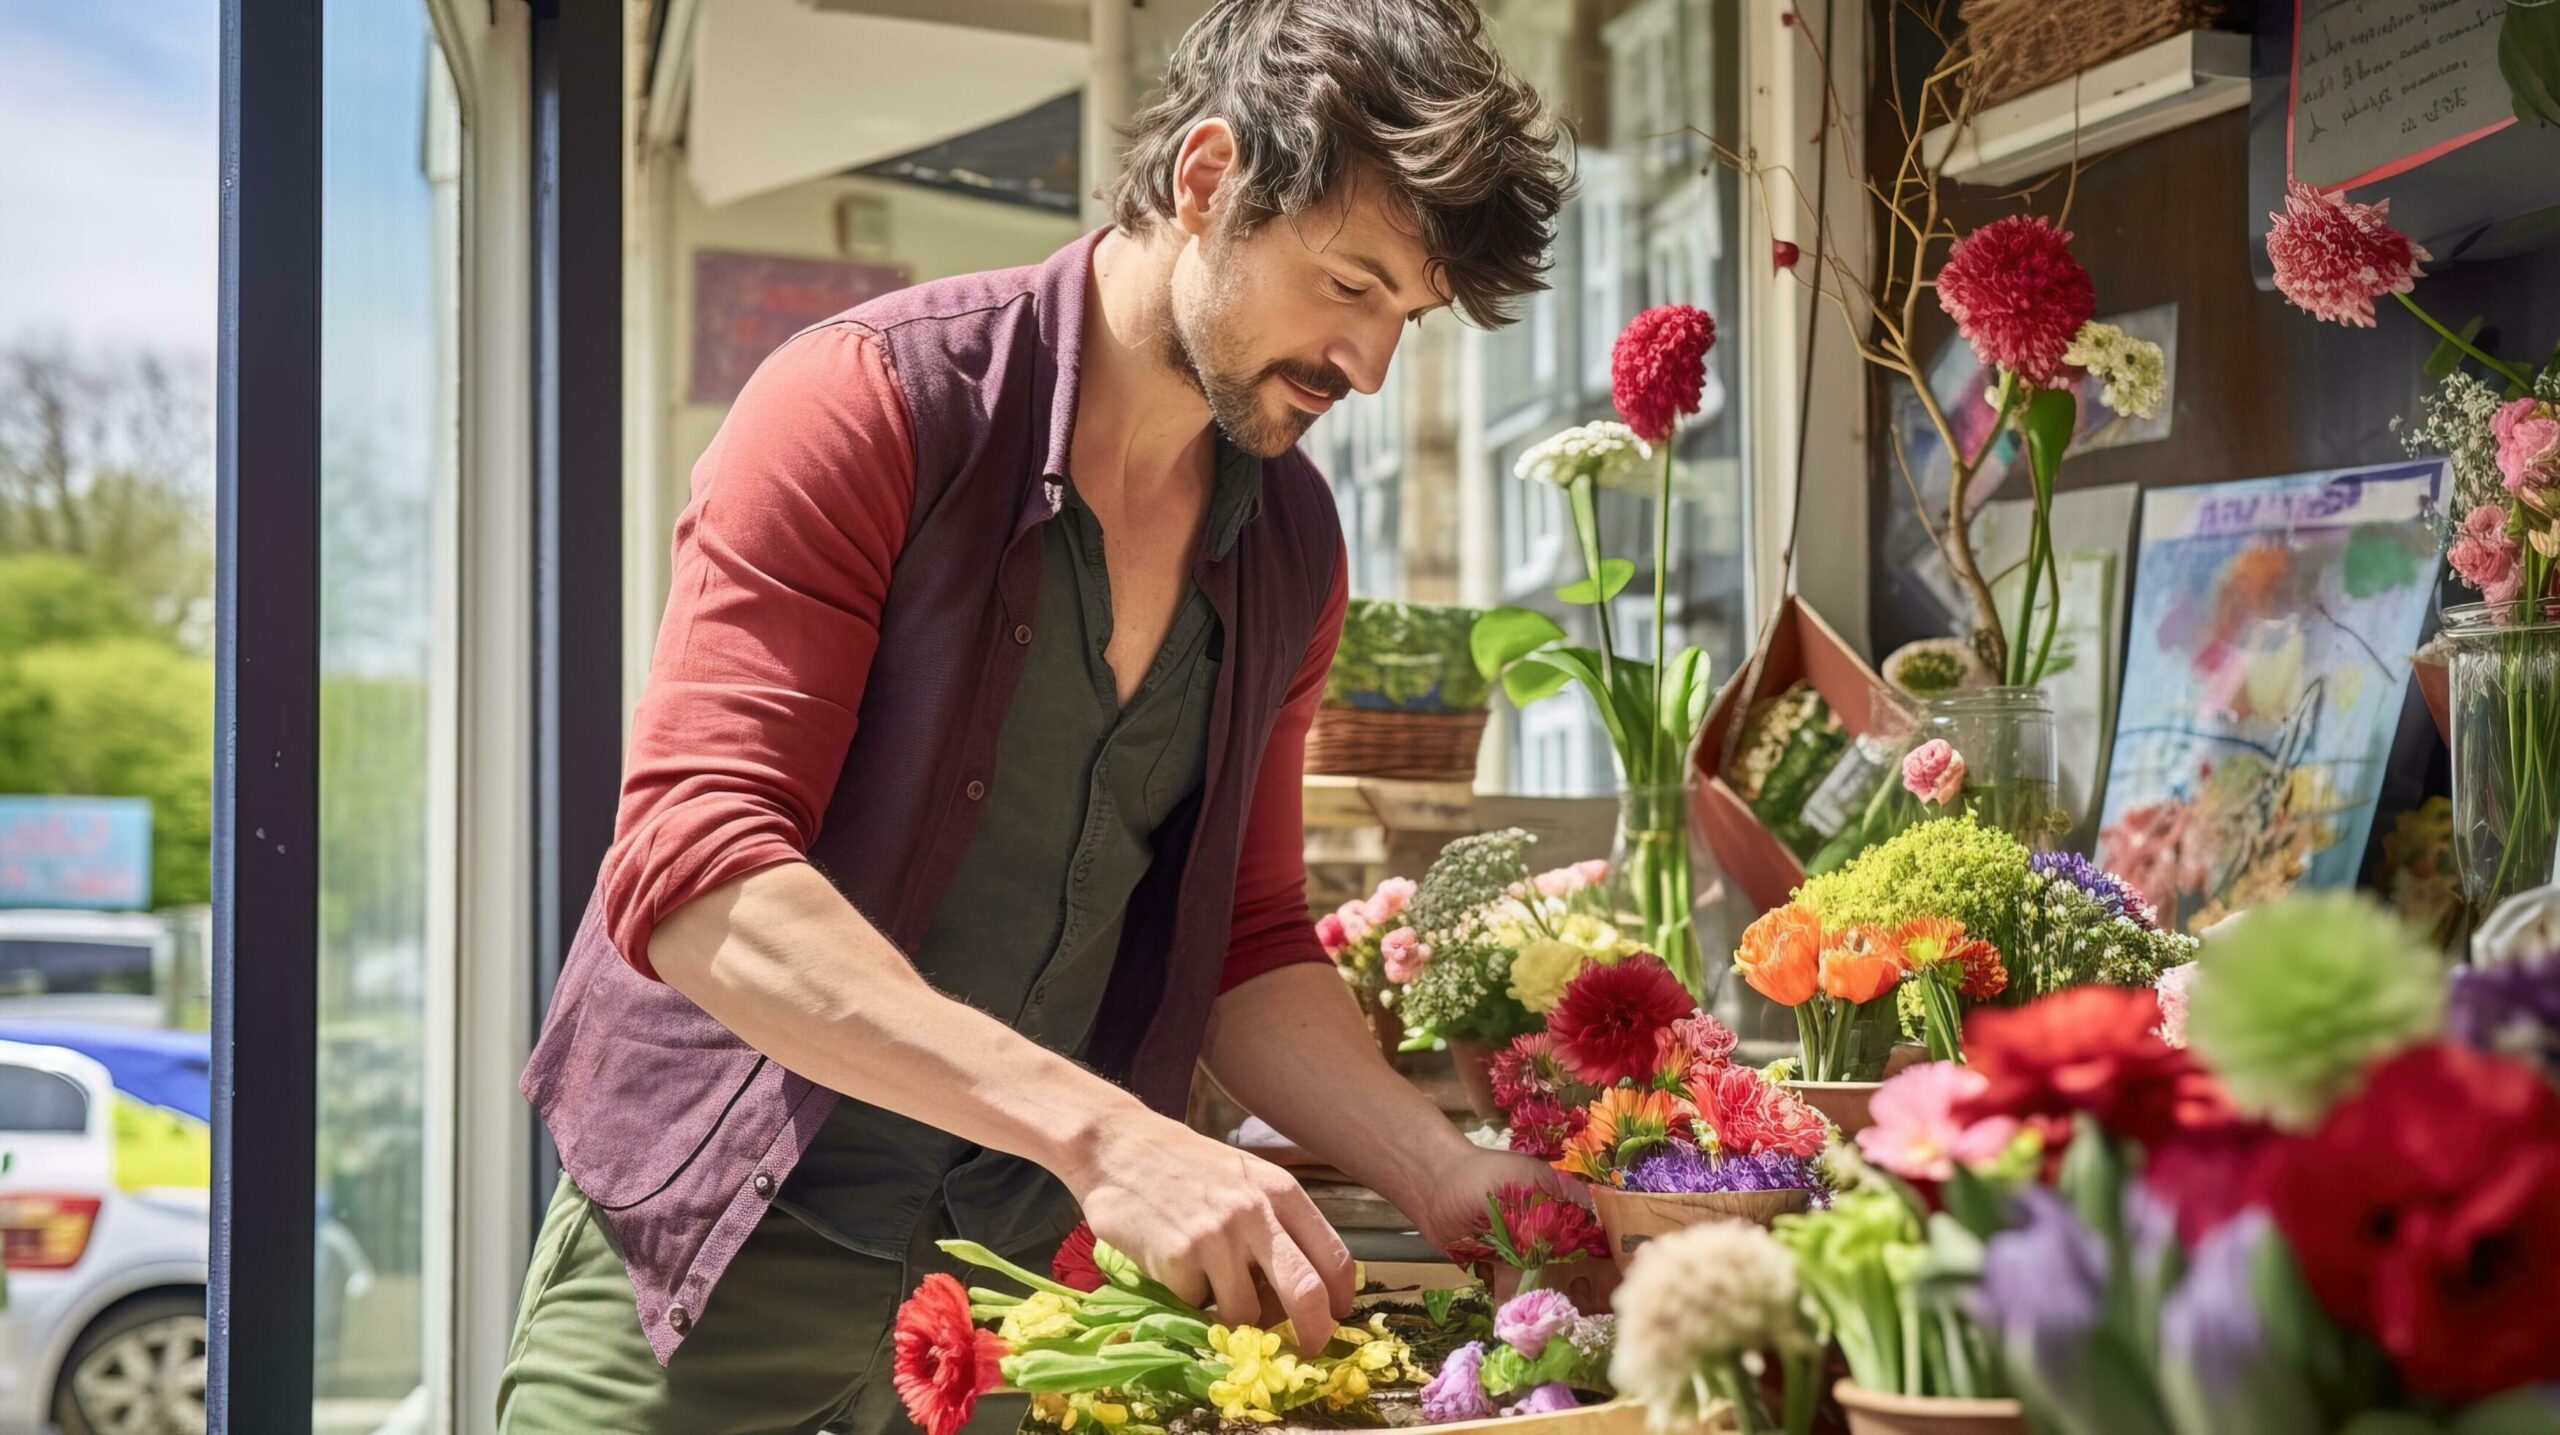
column 2215, row 1366
column 2112, row 892
column 1544, row 1400
column 1457, row 1392
column 2512, row 1008
column 1685, row 1170
column 2044, row 1285
column 1530, row 1319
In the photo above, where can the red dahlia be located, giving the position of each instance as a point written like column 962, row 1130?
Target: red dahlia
column 2425, row 1212
column 1658, row 371
column 2018, row 296
column 2333, row 259
column 943, row 1362
column 1073, row 1264
column 2095, row 1049
column 1605, row 1024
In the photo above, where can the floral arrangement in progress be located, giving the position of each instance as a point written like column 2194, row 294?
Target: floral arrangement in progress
column 1544, row 1357
column 2496, row 421
column 1355, row 936
column 1652, row 708
column 1487, row 945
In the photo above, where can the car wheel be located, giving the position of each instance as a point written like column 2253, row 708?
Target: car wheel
column 139, row 1370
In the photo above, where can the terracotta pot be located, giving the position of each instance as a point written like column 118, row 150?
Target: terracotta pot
column 1872, row 1412
column 1843, row 1102
column 1474, row 1061
column 1390, row 1030
column 1904, row 1056
column 1631, row 1218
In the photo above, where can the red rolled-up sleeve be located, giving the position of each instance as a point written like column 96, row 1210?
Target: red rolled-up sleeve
column 1271, row 928
column 781, row 566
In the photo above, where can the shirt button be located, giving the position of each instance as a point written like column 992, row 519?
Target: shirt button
column 1082, row 873
column 976, row 789
column 1022, row 633
column 764, row 1183
column 679, row 1319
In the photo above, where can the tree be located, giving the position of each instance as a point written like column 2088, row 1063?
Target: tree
column 119, row 717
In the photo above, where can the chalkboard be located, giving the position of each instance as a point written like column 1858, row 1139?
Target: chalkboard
column 2400, row 100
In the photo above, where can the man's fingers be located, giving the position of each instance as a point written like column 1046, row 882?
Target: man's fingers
column 1302, row 1292
column 1231, row 1283
column 1321, row 1245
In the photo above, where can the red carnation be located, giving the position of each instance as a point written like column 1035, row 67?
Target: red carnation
column 2018, row 296
column 2333, row 259
column 1752, row 1115
column 1658, row 371
column 1541, row 1228
column 1605, row 1023
column 944, row 1363
column 2095, row 1049
column 1540, row 1125
column 1073, row 1264
column 2425, row 1212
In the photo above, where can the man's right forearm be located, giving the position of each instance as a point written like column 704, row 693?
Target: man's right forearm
column 783, row 960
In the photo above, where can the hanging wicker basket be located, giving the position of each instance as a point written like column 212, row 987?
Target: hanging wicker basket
column 2021, row 45
column 1366, row 742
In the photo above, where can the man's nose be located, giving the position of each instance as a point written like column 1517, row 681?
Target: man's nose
column 1363, row 355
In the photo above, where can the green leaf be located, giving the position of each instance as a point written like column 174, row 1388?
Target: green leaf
column 1615, row 575
column 1438, row 1301
column 1685, row 703
column 2519, row 1412
column 2529, row 58
column 1582, row 665
column 1506, row 635
column 2448, row 356
column 2397, row 1422
column 1528, row 682
column 2047, row 420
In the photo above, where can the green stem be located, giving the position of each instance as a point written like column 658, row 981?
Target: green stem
column 1809, row 1038
column 2053, row 586
column 2515, row 373
column 1664, row 760
column 1586, row 527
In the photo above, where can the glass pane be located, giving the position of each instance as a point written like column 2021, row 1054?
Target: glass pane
column 32, row 1100
column 389, row 135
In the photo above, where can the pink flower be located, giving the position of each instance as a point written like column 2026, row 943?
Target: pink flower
column 1658, row 369
column 1329, row 934
column 2528, row 434
column 2174, row 985
column 1356, row 926
column 2486, row 557
column 1405, row 955
column 1708, row 1041
column 1934, row 771
column 1917, row 1134
column 1565, row 881
column 2333, row 259
column 2018, row 296
column 1388, row 902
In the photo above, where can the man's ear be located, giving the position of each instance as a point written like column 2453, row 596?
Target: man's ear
column 1201, row 169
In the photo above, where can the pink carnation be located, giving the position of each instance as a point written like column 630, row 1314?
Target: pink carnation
column 1388, row 902
column 1708, row 1041
column 1917, row 1134
column 2018, row 296
column 1565, row 881
column 2486, row 557
column 1356, row 926
column 1329, row 934
column 2333, row 259
column 1934, row 771
column 1405, row 955
column 2528, row 435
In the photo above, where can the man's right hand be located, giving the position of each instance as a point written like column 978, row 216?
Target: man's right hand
column 1207, row 1219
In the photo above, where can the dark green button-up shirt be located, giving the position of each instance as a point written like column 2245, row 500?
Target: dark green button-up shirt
column 1031, row 925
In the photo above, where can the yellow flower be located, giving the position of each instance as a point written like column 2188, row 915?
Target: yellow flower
column 1054, row 1409
column 1596, row 938
column 1543, row 970
column 1043, row 1316
column 1257, row 1374
column 1346, row 1384
column 1109, row 1414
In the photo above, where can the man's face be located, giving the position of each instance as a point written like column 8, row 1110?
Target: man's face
column 1273, row 325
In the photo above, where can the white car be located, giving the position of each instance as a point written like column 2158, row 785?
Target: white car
column 103, row 1332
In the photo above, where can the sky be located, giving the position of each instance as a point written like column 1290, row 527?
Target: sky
column 109, row 132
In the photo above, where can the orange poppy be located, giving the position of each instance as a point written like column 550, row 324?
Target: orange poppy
column 1926, row 941
column 1781, row 955
column 1861, row 964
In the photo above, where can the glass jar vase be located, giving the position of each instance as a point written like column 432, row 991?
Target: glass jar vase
column 1652, row 884
column 2012, row 774
column 2502, row 691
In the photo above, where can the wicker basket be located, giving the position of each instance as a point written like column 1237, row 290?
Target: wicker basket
column 2022, row 45
column 1361, row 742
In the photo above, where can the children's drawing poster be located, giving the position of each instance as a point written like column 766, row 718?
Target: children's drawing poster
column 2265, row 662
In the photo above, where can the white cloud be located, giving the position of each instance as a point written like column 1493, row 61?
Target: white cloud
column 109, row 205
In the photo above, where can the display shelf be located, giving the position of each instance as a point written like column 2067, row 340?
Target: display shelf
column 2151, row 91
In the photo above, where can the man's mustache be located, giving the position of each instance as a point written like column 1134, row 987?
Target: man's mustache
column 1323, row 379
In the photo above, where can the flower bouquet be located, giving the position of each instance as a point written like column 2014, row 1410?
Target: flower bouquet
column 2501, row 436
column 1546, row 1358
column 1652, row 710
column 1355, row 936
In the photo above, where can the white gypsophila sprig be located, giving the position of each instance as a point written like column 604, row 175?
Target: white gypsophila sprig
column 2454, row 422
column 2134, row 373
column 1606, row 452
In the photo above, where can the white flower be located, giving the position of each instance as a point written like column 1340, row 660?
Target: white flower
column 2524, row 926
column 1608, row 453
column 1715, row 1291
column 2135, row 372
column 2173, row 986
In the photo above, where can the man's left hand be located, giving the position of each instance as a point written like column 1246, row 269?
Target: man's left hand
column 1450, row 1206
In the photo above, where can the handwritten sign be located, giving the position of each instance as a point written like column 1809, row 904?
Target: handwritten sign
column 75, row 852
column 2380, row 87
column 2300, row 504
column 746, row 305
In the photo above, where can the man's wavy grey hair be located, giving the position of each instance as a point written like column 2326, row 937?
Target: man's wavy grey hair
column 1408, row 92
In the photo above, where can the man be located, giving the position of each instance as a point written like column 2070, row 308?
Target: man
column 966, row 780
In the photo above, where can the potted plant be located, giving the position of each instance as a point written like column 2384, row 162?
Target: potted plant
column 1404, row 697
column 1355, row 936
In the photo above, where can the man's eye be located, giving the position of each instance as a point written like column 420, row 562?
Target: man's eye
column 1342, row 290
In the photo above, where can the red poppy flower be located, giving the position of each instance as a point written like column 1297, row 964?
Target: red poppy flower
column 1073, row 1264
column 1605, row 1022
column 943, row 1362
column 1658, row 371
column 2332, row 259
column 2095, row 1049
column 1751, row 1114
column 2425, row 1212
column 2018, row 296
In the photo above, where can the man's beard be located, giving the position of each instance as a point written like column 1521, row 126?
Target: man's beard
column 1236, row 402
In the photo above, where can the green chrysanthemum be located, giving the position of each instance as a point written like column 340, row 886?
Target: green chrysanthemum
column 1950, row 867
column 2299, row 997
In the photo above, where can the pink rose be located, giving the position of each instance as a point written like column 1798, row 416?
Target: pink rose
column 1405, row 954
column 1917, row 1134
column 1356, row 926
column 1329, row 934
column 1388, row 902
column 2528, row 435
column 1934, row 771
column 1593, row 872
column 2484, row 554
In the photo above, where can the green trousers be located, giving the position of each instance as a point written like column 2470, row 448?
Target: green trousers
column 794, row 1339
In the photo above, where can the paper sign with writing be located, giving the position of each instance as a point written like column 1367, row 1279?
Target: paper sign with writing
column 2380, row 87
column 75, row 852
